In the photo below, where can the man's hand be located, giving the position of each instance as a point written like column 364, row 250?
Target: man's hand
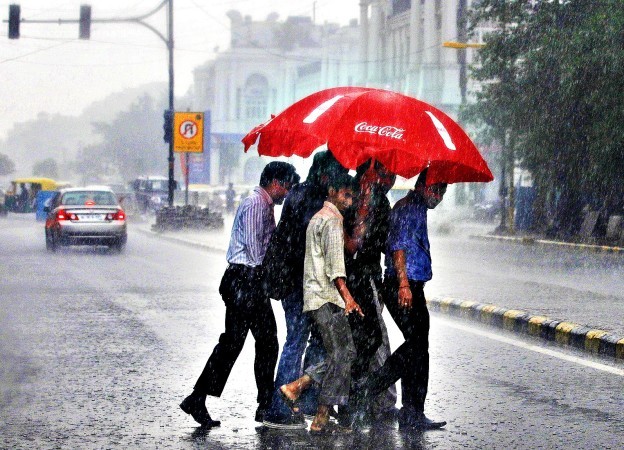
column 405, row 297
column 405, row 292
column 350, row 306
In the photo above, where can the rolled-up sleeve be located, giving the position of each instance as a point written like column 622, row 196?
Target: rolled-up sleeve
column 333, row 245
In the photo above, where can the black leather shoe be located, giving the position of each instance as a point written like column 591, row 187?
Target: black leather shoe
column 195, row 406
column 417, row 421
column 260, row 412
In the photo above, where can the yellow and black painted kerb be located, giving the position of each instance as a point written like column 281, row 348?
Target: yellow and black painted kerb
column 527, row 240
column 564, row 333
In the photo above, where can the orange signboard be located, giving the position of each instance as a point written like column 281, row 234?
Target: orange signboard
column 188, row 132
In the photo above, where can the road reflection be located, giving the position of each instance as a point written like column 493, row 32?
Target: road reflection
column 380, row 438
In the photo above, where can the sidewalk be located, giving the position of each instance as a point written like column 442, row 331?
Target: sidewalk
column 509, row 318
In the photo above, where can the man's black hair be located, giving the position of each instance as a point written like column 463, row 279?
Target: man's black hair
column 422, row 178
column 343, row 180
column 324, row 163
column 280, row 171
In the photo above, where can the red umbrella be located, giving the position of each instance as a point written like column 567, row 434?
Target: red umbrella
column 403, row 133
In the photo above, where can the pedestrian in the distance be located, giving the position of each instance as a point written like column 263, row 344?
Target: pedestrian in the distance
column 230, row 194
column 408, row 268
column 247, row 308
column 328, row 302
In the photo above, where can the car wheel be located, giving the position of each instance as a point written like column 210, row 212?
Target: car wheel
column 118, row 246
column 50, row 243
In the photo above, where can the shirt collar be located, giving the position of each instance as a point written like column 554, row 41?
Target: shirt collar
column 264, row 194
column 332, row 208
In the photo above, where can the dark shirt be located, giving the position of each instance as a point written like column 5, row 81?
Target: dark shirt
column 283, row 262
column 408, row 232
column 367, row 260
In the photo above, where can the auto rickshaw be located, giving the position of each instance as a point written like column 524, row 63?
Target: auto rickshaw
column 25, row 194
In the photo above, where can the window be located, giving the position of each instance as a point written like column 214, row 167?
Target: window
column 81, row 197
column 399, row 6
column 256, row 97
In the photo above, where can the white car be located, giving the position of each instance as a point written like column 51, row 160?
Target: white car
column 85, row 216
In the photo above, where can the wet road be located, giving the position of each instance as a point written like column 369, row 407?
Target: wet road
column 97, row 349
column 562, row 283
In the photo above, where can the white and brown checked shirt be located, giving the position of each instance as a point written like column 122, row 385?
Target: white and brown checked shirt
column 324, row 259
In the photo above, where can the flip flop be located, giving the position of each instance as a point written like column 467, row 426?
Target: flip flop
column 331, row 428
column 293, row 405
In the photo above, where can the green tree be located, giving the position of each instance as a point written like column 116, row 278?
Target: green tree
column 562, row 106
column 46, row 168
column 7, row 166
column 130, row 145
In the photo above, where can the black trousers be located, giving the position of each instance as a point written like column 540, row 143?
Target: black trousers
column 366, row 330
column 247, row 309
column 410, row 361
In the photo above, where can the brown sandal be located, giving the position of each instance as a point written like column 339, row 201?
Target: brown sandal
column 330, row 428
column 292, row 404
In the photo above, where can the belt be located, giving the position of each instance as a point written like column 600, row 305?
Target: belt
column 248, row 270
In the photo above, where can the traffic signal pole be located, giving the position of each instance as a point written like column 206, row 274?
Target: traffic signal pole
column 85, row 32
column 171, row 159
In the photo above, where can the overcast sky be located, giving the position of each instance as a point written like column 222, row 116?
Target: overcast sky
column 49, row 69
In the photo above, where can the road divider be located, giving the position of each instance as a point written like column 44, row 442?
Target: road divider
column 571, row 334
column 526, row 240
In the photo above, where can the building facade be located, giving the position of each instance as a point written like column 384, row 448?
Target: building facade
column 395, row 44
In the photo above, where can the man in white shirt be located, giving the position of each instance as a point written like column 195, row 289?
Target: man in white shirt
column 328, row 301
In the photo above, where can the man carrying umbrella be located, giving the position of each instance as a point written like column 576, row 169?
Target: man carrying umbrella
column 408, row 268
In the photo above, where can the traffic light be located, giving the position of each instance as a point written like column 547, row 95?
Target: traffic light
column 14, row 21
column 84, row 27
column 168, row 125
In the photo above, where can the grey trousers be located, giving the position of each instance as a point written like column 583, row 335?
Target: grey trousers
column 333, row 374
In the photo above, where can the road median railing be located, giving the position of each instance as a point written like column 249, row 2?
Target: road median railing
column 564, row 333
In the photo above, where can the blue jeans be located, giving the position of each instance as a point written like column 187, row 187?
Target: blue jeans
column 298, row 328
column 297, row 333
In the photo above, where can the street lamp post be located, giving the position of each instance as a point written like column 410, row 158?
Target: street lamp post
column 506, row 194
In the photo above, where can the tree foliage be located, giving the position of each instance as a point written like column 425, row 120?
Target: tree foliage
column 130, row 145
column 46, row 168
column 7, row 166
column 551, row 93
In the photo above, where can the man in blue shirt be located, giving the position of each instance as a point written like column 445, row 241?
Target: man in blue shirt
column 408, row 268
column 247, row 307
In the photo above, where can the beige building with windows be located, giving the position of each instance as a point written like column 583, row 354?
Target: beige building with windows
column 393, row 44
column 269, row 65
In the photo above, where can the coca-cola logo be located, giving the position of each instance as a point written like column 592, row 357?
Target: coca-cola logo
column 385, row 130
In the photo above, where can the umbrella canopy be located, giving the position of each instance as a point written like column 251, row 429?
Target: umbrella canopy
column 405, row 134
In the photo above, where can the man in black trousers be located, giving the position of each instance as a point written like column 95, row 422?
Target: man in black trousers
column 247, row 306
column 408, row 268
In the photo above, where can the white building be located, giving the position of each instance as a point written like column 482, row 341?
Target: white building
column 269, row 65
column 397, row 44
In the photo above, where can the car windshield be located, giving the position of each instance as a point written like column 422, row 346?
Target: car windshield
column 158, row 185
column 91, row 197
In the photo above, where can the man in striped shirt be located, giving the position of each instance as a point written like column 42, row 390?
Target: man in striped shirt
column 247, row 306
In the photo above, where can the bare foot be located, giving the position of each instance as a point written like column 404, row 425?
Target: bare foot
column 321, row 419
column 319, row 423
